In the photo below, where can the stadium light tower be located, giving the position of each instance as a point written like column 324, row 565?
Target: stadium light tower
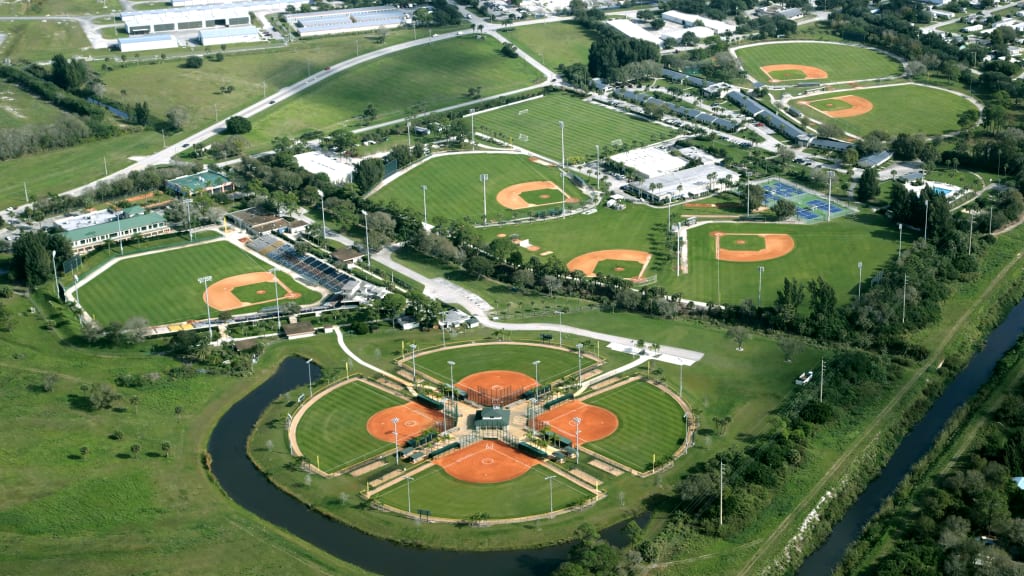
column 56, row 284
column 551, row 494
column 860, row 275
column 309, row 375
column 831, row 175
column 277, row 300
column 559, row 312
column 413, row 348
column 424, row 203
column 366, row 222
column 483, row 179
column 900, row 257
column 408, row 492
column 323, row 215
column 561, row 126
column 598, row 146
column 205, row 281
column 395, row 422
column 760, row 273
column 577, row 421
column 925, row 220
column 579, row 361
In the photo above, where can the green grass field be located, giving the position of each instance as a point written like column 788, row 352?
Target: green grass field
column 432, row 76
column 841, row 62
column 738, row 242
column 934, row 111
column 19, row 108
column 618, row 268
column 162, row 287
column 454, row 189
column 334, row 428
column 39, row 40
column 555, row 44
column 255, row 292
column 831, row 250
column 554, row 364
column 586, row 126
column 443, row 495
column 650, row 423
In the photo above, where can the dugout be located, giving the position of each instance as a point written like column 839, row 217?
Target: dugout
column 491, row 419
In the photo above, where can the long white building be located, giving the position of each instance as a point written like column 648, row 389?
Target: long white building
column 197, row 18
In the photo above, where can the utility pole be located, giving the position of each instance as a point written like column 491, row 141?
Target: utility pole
column 970, row 237
column 760, row 272
column 925, row 220
column 821, row 381
column 904, row 321
column 721, row 492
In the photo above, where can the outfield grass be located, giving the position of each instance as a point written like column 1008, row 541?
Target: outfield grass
column 429, row 77
column 333, row 430
column 611, row 268
column 586, row 126
column 445, row 496
column 841, row 62
column 934, row 111
column 255, row 292
column 454, row 189
column 650, row 424
column 162, row 287
column 19, row 108
column 554, row 364
column 830, row 250
column 554, row 44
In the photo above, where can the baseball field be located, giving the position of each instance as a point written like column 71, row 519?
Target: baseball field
column 793, row 62
column 163, row 287
column 930, row 110
column 533, row 125
column 554, row 363
column 650, row 424
column 517, row 186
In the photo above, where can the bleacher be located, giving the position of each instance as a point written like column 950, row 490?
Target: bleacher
column 306, row 265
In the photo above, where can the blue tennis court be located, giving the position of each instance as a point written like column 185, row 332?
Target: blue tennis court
column 781, row 190
column 824, row 206
column 806, row 214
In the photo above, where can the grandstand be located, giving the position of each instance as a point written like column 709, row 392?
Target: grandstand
column 308, row 266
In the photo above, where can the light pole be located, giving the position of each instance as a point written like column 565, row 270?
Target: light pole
column 205, row 281
column 395, row 422
column 577, row 421
column 56, row 284
column 120, row 240
column 561, row 126
column 323, row 215
column 309, row 374
column 679, row 252
column 408, row 133
column 925, row 220
column 579, row 361
column 760, row 273
column 970, row 236
column 413, row 348
column 444, row 343
column 551, row 494
column 989, row 217
column 860, row 276
column 718, row 273
column 598, row 146
column 451, row 378
column 536, row 371
column 408, row 492
column 472, row 127
column 748, row 194
column 669, row 213
column 559, row 312
column 483, row 178
column 78, row 296
column 900, row 257
column 188, row 212
column 904, row 321
column 277, row 300
column 366, row 222
column 424, row 203
column 831, row 174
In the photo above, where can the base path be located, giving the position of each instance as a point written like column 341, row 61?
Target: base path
column 511, row 197
column 588, row 262
column 495, row 387
column 809, row 72
column 595, row 423
column 486, row 462
column 413, row 419
column 857, row 107
column 220, row 295
column 775, row 246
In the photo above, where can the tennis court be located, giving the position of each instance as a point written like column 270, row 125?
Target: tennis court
column 809, row 206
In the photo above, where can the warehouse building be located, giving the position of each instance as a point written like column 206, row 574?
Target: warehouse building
column 149, row 42
column 198, row 18
column 233, row 35
column 346, row 21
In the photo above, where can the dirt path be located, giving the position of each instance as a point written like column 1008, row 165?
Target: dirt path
column 782, row 531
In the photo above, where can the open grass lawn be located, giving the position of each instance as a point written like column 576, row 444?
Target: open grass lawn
column 39, row 40
column 553, row 45
column 454, row 189
column 839, row 61
column 934, row 111
column 334, row 428
column 19, row 108
column 650, row 424
column 58, row 7
column 429, row 77
column 830, row 250
column 554, row 364
column 445, row 496
column 586, row 126
column 162, row 287
column 108, row 512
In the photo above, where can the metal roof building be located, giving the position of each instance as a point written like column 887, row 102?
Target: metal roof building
column 233, row 35
column 633, row 30
column 153, row 42
column 344, row 21
column 197, row 18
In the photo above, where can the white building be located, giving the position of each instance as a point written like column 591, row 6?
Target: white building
column 347, row 21
column 691, row 20
column 233, row 35
column 338, row 170
column 634, row 30
column 149, row 42
column 198, row 18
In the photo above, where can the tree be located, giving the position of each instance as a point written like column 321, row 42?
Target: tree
column 787, row 304
column 238, row 125
column 68, row 74
column 509, row 50
column 868, row 187
column 784, row 209
column 84, row 451
column 381, row 229
column 789, row 347
column 102, row 396
column 739, row 334
column 369, row 113
column 368, row 173
column 479, row 266
column 193, row 62
column 5, row 318
column 165, row 446
column 177, row 117
column 391, row 305
column 141, row 113
column 135, row 449
column 32, row 260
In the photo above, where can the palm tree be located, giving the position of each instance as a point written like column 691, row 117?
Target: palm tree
column 135, row 450
column 84, row 451
column 166, row 447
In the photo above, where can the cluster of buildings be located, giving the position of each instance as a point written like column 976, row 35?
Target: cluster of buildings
column 93, row 230
column 368, row 19
column 666, row 177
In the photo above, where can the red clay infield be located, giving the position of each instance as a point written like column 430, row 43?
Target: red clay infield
column 412, row 419
column 595, row 423
column 495, row 387
column 486, row 463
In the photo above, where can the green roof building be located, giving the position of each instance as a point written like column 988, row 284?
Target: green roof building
column 88, row 238
column 206, row 181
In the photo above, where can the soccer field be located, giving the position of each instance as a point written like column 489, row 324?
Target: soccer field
column 445, row 496
column 333, row 430
column 650, row 424
column 533, row 125
column 163, row 287
column 840, row 61
column 933, row 111
column 455, row 190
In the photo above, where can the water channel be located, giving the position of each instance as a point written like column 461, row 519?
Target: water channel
column 916, row 444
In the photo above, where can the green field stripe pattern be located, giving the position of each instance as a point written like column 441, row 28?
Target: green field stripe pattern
column 334, row 428
column 650, row 423
column 586, row 126
column 163, row 287
column 454, row 189
column 841, row 62
column 447, row 497
column 554, row 364
column 933, row 111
